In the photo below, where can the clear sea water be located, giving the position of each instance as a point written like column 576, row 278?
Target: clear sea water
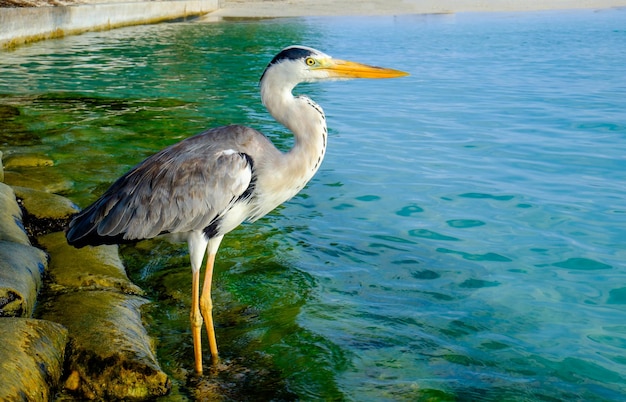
column 465, row 238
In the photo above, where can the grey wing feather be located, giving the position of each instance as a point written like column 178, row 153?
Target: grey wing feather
column 182, row 188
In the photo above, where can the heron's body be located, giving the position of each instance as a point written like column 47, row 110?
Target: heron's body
column 205, row 186
column 209, row 183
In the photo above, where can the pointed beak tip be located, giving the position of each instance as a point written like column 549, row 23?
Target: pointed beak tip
column 348, row 69
column 401, row 74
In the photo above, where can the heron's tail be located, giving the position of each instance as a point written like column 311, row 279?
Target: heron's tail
column 83, row 230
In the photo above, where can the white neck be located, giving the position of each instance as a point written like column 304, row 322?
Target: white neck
column 306, row 121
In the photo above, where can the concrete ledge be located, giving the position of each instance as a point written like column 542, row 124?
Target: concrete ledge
column 22, row 25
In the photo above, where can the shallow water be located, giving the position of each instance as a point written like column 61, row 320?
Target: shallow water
column 464, row 238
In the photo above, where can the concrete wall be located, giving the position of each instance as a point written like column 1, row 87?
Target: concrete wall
column 28, row 24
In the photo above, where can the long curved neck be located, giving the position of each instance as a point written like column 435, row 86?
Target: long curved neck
column 306, row 121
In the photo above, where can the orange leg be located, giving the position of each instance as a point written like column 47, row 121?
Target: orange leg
column 206, row 306
column 196, row 321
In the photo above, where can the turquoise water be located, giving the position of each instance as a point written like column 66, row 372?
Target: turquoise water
column 465, row 237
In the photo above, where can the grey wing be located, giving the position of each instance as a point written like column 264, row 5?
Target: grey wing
column 182, row 188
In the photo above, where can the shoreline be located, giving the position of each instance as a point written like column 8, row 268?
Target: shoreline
column 312, row 8
column 26, row 21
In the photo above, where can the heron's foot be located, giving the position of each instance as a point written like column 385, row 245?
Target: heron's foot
column 215, row 360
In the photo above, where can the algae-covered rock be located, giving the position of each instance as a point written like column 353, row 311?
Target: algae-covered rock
column 40, row 178
column 1, row 168
column 85, row 268
column 27, row 160
column 11, row 227
column 43, row 205
column 21, row 269
column 31, row 359
column 110, row 353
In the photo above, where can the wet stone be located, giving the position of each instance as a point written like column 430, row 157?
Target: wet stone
column 11, row 227
column 110, row 355
column 88, row 268
column 31, row 359
column 38, row 178
column 21, row 270
column 27, row 160
column 44, row 212
column 43, row 205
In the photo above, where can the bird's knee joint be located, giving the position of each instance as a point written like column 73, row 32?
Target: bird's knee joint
column 196, row 319
column 206, row 305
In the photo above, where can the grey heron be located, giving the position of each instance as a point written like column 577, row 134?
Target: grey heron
column 206, row 185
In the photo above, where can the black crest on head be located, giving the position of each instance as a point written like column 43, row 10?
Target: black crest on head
column 289, row 53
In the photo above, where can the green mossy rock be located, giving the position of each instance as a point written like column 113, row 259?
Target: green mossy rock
column 110, row 353
column 39, row 178
column 88, row 268
column 27, row 160
column 43, row 205
column 31, row 359
column 11, row 227
column 21, row 270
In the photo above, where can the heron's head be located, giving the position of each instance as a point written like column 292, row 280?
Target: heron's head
column 295, row 64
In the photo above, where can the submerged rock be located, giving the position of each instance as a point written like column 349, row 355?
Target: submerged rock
column 27, row 160
column 8, row 112
column 95, row 268
column 21, row 270
column 39, row 178
column 31, row 359
column 110, row 354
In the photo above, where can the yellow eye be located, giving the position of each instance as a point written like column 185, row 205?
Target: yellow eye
column 310, row 61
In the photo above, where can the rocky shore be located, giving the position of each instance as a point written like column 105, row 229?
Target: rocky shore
column 71, row 319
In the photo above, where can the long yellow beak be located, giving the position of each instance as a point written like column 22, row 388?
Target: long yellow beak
column 349, row 69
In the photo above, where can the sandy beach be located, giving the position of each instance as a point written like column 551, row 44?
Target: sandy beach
column 298, row 8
